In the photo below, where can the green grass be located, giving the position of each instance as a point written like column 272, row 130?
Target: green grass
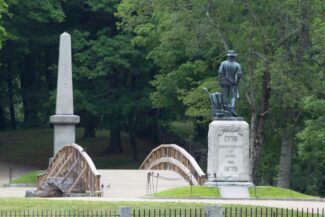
column 46, row 204
column 275, row 192
column 58, row 205
column 203, row 191
column 190, row 191
column 28, row 178
column 34, row 147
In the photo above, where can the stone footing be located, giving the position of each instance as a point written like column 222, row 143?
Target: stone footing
column 216, row 184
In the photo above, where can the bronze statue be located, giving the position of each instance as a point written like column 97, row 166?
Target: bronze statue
column 224, row 105
column 229, row 76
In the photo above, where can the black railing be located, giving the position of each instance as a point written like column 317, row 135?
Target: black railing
column 52, row 213
column 227, row 212
column 272, row 212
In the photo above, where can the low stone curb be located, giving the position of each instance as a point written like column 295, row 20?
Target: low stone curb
column 220, row 198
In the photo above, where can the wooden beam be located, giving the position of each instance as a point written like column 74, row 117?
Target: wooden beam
column 70, row 170
column 76, row 181
column 63, row 165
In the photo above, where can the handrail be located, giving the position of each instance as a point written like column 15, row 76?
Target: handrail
column 182, row 162
column 72, row 161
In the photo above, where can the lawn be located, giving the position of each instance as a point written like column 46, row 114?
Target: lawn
column 28, row 178
column 275, row 192
column 203, row 191
column 189, row 191
column 33, row 206
column 46, row 204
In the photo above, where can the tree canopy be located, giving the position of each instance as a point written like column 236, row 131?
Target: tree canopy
column 141, row 65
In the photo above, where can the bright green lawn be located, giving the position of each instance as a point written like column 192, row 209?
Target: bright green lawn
column 28, row 178
column 269, row 191
column 26, row 205
column 203, row 191
column 46, row 204
column 190, row 191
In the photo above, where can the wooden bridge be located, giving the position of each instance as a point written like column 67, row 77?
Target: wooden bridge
column 173, row 157
column 71, row 172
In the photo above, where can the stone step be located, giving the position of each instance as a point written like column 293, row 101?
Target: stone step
column 234, row 191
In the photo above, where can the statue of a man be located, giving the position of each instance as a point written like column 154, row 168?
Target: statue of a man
column 229, row 75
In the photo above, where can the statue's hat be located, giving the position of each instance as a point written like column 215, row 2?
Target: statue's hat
column 231, row 53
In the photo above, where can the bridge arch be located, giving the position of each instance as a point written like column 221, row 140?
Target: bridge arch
column 72, row 171
column 174, row 157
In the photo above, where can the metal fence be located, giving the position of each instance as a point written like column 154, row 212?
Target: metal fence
column 271, row 212
column 225, row 212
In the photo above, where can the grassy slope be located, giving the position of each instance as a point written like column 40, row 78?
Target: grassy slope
column 188, row 191
column 269, row 191
column 29, row 178
column 34, row 147
column 261, row 191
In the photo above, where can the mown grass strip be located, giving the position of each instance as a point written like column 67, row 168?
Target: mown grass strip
column 28, row 178
column 190, row 191
column 275, row 192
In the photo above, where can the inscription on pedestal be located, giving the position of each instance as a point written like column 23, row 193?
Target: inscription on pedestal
column 228, row 155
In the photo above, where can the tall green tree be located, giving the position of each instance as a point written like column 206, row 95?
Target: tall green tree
column 26, row 55
column 183, row 33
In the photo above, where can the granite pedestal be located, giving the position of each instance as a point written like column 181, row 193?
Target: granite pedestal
column 228, row 153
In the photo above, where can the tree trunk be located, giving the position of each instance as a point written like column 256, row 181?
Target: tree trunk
column 132, row 137
column 134, row 145
column 285, row 159
column 2, row 117
column 11, row 97
column 89, row 128
column 155, row 130
column 259, row 121
column 28, row 80
column 50, row 81
column 114, row 140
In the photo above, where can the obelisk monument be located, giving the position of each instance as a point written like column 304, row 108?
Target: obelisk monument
column 64, row 120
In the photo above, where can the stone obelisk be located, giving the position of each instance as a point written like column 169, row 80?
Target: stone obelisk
column 64, row 120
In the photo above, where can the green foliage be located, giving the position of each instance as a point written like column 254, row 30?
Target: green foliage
column 141, row 65
column 279, row 42
column 312, row 146
column 3, row 33
column 113, row 82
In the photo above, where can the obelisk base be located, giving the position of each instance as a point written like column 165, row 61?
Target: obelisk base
column 64, row 130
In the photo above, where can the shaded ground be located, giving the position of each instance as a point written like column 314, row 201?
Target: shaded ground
column 16, row 171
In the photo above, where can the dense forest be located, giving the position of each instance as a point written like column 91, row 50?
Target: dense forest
column 139, row 65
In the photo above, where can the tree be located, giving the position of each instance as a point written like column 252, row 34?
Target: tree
column 185, row 32
column 26, row 55
column 119, row 78
column 312, row 148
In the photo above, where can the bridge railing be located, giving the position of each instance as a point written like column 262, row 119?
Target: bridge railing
column 73, row 161
column 174, row 157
